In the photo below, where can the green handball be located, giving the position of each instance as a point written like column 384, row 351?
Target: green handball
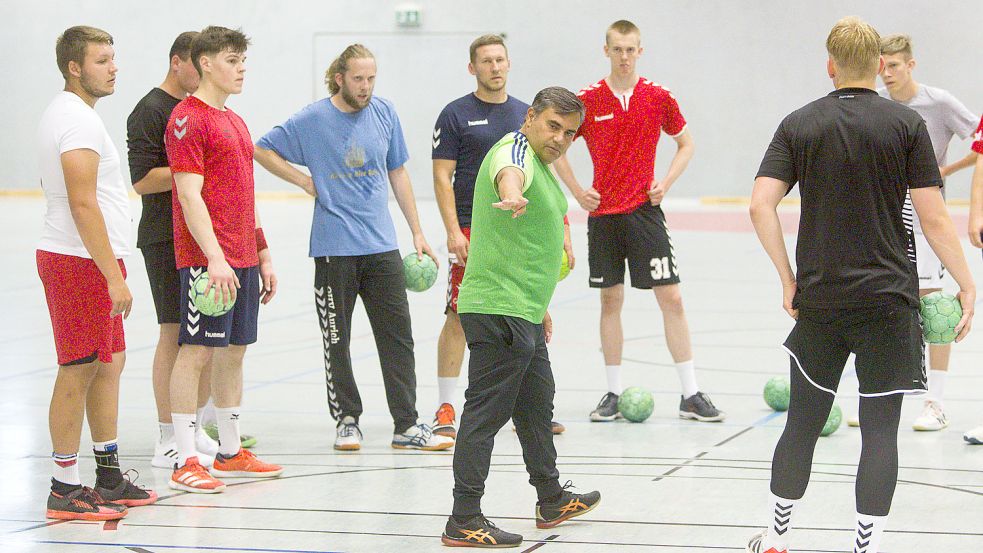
column 420, row 275
column 564, row 266
column 636, row 404
column 833, row 421
column 941, row 313
column 778, row 393
column 209, row 304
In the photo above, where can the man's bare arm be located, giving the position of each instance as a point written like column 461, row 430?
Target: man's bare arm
column 272, row 162
column 156, row 180
column 588, row 199
column 768, row 192
column 963, row 163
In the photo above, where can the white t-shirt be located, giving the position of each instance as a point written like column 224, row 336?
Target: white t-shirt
column 71, row 124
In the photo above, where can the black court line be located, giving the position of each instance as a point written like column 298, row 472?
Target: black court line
column 679, row 466
column 540, row 544
column 139, row 550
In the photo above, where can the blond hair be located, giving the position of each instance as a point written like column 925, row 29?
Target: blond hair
column 622, row 27
column 855, row 47
column 340, row 65
column 486, row 40
column 71, row 45
column 896, row 44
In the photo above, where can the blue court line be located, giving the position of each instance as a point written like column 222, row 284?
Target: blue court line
column 197, row 547
column 767, row 418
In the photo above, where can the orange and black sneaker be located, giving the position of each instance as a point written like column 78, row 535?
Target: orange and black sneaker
column 557, row 427
column 567, row 505
column 127, row 492
column 443, row 421
column 477, row 532
column 244, row 465
column 82, row 504
column 193, row 477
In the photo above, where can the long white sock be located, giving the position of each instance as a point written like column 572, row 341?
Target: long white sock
column 66, row 468
column 936, row 385
column 166, row 432
column 687, row 378
column 780, row 525
column 206, row 414
column 184, row 435
column 446, row 388
column 228, row 430
column 869, row 532
column 614, row 378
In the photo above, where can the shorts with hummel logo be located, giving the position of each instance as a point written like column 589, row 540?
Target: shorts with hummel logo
column 237, row 327
column 640, row 237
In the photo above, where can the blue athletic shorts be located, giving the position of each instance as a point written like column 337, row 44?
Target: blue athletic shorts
column 237, row 327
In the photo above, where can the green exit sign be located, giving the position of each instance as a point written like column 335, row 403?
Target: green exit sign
column 408, row 17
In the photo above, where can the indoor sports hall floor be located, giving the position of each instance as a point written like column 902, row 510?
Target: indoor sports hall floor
column 667, row 485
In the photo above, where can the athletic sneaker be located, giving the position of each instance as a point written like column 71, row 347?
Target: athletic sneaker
column 932, row 418
column 83, row 504
column 567, row 506
column 127, row 493
column 348, row 436
column 755, row 545
column 205, row 443
column 557, row 427
column 245, row 440
column 974, row 436
column 853, row 421
column 193, row 477
column 443, row 421
column 478, row 532
column 607, row 409
column 421, row 436
column 699, row 407
column 166, row 456
column 244, row 465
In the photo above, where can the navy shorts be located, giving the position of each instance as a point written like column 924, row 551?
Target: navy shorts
column 237, row 327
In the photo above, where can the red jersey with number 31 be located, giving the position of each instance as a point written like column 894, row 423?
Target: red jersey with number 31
column 622, row 141
column 216, row 144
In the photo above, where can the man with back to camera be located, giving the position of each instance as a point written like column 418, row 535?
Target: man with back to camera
column 79, row 259
column 945, row 117
column 216, row 228
column 465, row 130
column 626, row 115
column 352, row 143
column 855, row 156
column 513, row 266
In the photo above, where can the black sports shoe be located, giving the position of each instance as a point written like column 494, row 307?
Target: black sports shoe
column 82, row 504
column 699, row 407
column 607, row 409
column 478, row 532
column 567, row 506
column 127, row 492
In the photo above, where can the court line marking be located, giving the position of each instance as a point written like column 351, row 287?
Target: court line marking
column 142, row 546
column 540, row 544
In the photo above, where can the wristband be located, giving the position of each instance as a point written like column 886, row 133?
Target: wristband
column 566, row 221
column 261, row 240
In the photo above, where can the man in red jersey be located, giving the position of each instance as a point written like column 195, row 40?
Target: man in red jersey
column 216, row 227
column 626, row 115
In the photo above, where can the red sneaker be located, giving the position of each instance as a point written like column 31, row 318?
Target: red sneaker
column 83, row 504
column 193, row 477
column 244, row 465
column 443, row 421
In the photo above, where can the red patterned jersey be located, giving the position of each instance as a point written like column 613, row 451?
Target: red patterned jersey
column 216, row 144
column 978, row 139
column 622, row 141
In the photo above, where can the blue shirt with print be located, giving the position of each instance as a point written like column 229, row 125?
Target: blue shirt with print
column 349, row 156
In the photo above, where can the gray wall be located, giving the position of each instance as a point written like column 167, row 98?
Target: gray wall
column 737, row 67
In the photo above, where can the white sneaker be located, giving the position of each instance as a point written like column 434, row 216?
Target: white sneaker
column 349, row 437
column 932, row 418
column 205, row 444
column 421, row 436
column 165, row 456
column 974, row 436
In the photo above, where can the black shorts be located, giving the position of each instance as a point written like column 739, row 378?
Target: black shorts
column 165, row 283
column 237, row 327
column 886, row 339
column 640, row 237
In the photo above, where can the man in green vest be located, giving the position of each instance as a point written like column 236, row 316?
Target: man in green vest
column 513, row 266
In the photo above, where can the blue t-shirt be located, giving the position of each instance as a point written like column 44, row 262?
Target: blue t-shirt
column 466, row 129
column 349, row 156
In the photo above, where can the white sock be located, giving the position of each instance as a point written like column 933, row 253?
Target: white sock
column 780, row 523
column 936, row 385
column 206, row 414
column 869, row 532
column 687, row 378
column 446, row 387
column 66, row 468
column 166, row 432
column 228, row 430
column 614, row 378
column 184, row 435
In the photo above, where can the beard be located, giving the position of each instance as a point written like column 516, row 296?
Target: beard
column 352, row 101
column 90, row 86
column 491, row 86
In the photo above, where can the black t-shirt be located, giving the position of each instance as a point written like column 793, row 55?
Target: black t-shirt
column 145, row 144
column 854, row 156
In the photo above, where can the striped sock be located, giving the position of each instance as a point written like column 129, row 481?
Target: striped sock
column 869, row 532
column 780, row 527
column 66, row 469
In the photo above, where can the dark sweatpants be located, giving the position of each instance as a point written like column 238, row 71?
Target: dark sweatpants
column 378, row 279
column 509, row 376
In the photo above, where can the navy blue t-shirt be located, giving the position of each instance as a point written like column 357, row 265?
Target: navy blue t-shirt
column 466, row 129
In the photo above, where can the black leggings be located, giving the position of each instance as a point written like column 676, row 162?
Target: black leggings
column 877, row 473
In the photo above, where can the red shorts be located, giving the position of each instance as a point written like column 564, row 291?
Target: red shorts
column 79, row 305
column 454, row 277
